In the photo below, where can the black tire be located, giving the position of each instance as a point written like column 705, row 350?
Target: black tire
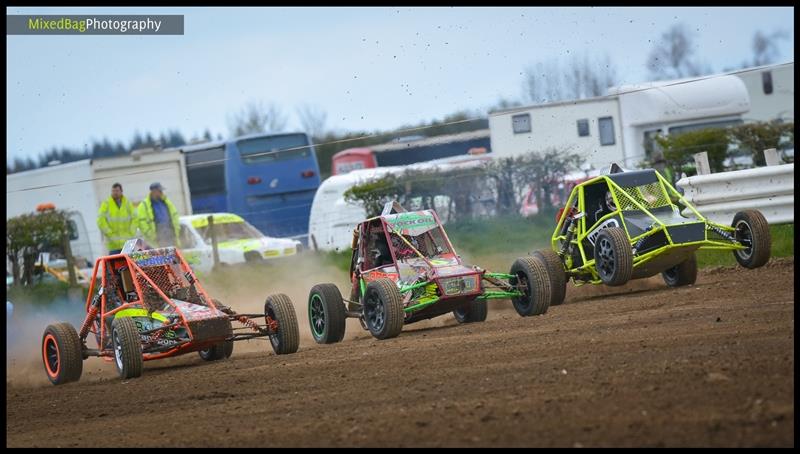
column 127, row 345
column 253, row 258
column 62, row 353
column 684, row 273
column 532, row 278
column 473, row 312
column 751, row 226
column 383, row 309
column 280, row 308
column 326, row 314
column 221, row 350
column 558, row 275
column 613, row 256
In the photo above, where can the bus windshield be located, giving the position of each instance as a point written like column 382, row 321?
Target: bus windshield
column 274, row 148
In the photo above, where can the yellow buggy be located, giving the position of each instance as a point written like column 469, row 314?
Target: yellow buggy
column 634, row 224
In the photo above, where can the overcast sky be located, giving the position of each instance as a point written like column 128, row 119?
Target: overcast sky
column 368, row 68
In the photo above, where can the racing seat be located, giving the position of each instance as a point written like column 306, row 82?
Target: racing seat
column 126, row 284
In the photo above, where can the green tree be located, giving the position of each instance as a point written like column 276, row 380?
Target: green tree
column 754, row 138
column 679, row 148
column 30, row 234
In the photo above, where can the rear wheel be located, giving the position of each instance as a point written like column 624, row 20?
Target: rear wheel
column 127, row 347
column 62, row 353
column 216, row 352
column 613, row 256
column 326, row 314
column 532, row 279
column 383, row 309
column 558, row 276
column 280, row 308
column 684, row 273
column 472, row 312
column 752, row 230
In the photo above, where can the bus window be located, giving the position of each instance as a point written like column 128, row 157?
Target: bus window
column 205, row 170
column 274, row 148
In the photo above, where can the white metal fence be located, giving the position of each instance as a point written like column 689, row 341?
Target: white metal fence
column 719, row 196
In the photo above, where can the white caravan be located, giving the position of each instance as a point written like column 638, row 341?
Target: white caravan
column 621, row 126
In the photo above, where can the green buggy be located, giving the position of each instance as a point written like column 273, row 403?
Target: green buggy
column 634, row 224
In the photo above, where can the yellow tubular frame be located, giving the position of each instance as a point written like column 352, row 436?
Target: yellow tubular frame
column 668, row 190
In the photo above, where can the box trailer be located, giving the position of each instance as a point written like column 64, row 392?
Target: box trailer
column 81, row 187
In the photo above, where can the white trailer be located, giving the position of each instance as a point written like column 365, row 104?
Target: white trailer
column 81, row 187
column 621, row 127
column 333, row 219
column 771, row 90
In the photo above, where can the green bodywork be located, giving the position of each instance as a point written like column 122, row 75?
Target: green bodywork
column 428, row 295
column 633, row 199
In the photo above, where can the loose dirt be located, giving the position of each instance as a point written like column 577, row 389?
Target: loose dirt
column 642, row 365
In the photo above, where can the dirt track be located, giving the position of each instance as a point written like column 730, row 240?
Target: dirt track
column 706, row 365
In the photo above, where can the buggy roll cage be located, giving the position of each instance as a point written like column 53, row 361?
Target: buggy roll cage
column 723, row 240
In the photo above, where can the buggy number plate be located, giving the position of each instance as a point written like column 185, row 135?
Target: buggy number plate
column 606, row 224
column 454, row 286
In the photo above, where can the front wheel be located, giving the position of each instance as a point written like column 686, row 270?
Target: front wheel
column 752, row 230
column 383, row 309
column 127, row 347
column 684, row 273
column 613, row 256
column 558, row 276
column 287, row 338
column 532, row 280
column 472, row 312
column 326, row 314
column 62, row 353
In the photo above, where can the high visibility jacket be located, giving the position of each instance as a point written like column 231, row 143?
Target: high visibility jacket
column 117, row 223
column 147, row 223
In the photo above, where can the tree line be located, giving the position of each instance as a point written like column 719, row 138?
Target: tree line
column 580, row 76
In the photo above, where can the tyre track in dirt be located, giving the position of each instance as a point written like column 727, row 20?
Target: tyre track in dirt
column 642, row 365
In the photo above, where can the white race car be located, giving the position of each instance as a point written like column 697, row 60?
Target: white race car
column 237, row 242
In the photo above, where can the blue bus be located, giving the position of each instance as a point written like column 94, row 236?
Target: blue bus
column 268, row 179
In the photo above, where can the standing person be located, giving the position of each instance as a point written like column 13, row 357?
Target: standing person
column 116, row 220
column 158, row 219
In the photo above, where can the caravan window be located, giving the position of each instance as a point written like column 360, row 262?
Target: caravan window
column 707, row 125
column 766, row 81
column 521, row 123
column 605, row 126
column 583, row 128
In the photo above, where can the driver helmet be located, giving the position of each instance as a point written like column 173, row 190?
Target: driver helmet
column 610, row 201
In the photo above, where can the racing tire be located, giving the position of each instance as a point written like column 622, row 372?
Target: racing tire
column 383, row 309
column 280, row 308
column 62, row 353
column 326, row 314
column 752, row 226
column 558, row 276
column 127, row 345
column 218, row 351
column 473, row 312
column 613, row 256
column 531, row 273
column 684, row 273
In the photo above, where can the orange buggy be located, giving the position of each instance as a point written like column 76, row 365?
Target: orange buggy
column 147, row 304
